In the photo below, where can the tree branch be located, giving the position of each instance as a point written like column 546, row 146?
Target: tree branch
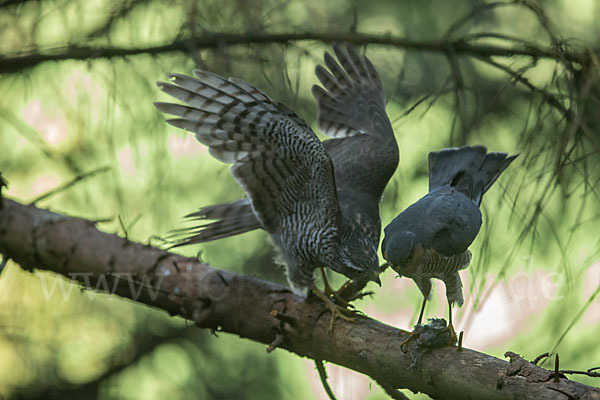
column 20, row 61
column 323, row 377
column 243, row 305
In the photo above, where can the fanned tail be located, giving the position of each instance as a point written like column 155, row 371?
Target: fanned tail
column 471, row 169
column 229, row 220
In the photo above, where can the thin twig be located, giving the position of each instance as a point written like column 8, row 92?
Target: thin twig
column 283, row 317
column 3, row 184
column 589, row 372
column 278, row 341
column 392, row 391
column 10, row 3
column 576, row 318
column 19, row 61
column 35, row 138
column 549, row 97
column 3, row 263
column 119, row 14
column 538, row 358
column 70, row 183
column 323, row 376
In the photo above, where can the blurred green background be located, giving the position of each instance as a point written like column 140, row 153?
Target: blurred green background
column 534, row 281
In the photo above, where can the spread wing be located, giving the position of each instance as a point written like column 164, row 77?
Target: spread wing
column 363, row 146
column 276, row 157
column 351, row 101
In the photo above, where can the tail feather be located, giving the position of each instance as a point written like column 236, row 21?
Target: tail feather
column 223, row 211
column 472, row 170
column 231, row 219
column 493, row 166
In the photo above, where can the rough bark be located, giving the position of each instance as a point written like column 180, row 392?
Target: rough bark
column 265, row 312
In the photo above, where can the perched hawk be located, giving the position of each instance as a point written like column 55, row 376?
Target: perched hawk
column 430, row 239
column 319, row 201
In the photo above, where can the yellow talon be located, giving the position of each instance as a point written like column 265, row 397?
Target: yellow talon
column 336, row 310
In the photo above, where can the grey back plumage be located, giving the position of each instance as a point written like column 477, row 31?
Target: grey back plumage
column 363, row 150
column 444, row 220
column 448, row 219
column 277, row 159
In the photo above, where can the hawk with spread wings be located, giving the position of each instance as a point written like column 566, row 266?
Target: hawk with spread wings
column 319, row 201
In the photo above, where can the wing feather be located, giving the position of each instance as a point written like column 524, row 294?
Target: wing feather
column 351, row 101
column 276, row 157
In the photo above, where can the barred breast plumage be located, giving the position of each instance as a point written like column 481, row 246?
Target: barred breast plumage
column 435, row 265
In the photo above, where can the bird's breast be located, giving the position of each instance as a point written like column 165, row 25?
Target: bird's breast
column 428, row 263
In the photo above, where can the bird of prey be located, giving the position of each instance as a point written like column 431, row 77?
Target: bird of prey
column 319, row 201
column 430, row 239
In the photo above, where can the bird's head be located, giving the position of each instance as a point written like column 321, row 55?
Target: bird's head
column 398, row 249
column 358, row 261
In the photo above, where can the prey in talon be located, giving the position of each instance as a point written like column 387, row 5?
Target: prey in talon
column 430, row 239
column 433, row 334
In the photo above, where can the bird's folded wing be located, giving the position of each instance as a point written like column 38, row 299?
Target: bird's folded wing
column 276, row 157
column 352, row 101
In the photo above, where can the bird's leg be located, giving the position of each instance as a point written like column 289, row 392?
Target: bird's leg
column 336, row 310
column 329, row 292
column 413, row 335
column 422, row 311
column 327, row 288
column 406, row 341
column 350, row 291
column 337, row 294
column 346, row 285
column 450, row 326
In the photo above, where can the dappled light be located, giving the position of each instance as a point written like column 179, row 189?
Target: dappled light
column 79, row 135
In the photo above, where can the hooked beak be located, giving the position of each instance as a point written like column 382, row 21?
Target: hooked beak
column 375, row 278
column 396, row 269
